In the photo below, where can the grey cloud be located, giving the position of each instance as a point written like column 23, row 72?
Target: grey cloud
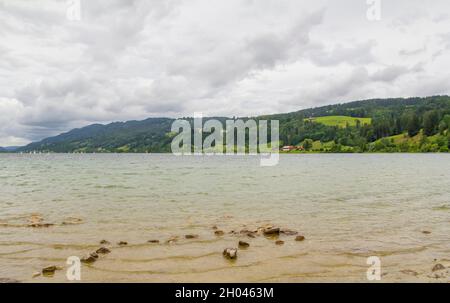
column 134, row 59
column 393, row 72
column 356, row 54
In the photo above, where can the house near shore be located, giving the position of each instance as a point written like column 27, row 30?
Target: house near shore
column 288, row 148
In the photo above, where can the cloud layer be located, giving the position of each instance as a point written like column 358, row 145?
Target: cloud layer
column 133, row 59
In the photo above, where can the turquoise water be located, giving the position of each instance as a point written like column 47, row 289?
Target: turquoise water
column 348, row 207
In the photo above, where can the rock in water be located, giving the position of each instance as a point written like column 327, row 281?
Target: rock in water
column 271, row 231
column 50, row 270
column 123, row 243
column 243, row 244
column 279, row 242
column 103, row 250
column 191, row 236
column 289, row 232
column 89, row 259
column 72, row 221
column 41, row 225
column 230, row 253
column 426, row 232
column 153, row 241
column 104, row 242
column 299, row 238
column 438, row 267
column 219, row 233
column 172, row 240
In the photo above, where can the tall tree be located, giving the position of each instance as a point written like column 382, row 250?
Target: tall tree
column 430, row 122
column 413, row 125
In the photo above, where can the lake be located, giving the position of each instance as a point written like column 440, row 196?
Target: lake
column 348, row 206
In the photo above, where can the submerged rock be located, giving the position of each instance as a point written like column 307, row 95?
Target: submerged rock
column 49, row 270
column 72, row 221
column 426, row 232
column 249, row 233
column 219, row 233
column 122, row 243
column 438, row 267
column 299, row 238
column 105, row 242
column 279, row 242
column 172, row 240
column 103, row 250
column 153, row 241
column 289, row 232
column 191, row 236
column 89, row 259
column 35, row 219
column 214, row 227
column 243, row 244
column 230, row 253
column 270, row 231
column 40, row 225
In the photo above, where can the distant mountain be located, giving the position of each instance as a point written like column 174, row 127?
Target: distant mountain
column 8, row 149
column 388, row 117
column 131, row 136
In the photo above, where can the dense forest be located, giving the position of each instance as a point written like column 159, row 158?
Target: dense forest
column 397, row 125
column 378, row 125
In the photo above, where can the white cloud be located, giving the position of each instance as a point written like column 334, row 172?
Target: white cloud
column 133, row 59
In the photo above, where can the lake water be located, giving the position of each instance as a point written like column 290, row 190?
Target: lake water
column 348, row 206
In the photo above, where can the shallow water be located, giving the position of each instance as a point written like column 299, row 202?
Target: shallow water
column 348, row 207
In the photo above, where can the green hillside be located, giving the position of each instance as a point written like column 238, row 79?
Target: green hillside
column 377, row 125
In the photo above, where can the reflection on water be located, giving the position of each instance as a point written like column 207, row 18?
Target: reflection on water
column 348, row 207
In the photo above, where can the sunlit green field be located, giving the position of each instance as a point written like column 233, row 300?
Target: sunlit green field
column 341, row 121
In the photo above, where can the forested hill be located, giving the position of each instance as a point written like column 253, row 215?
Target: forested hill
column 378, row 125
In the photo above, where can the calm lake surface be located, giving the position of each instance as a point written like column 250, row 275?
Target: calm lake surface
column 348, row 207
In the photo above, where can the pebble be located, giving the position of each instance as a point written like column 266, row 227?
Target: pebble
column 89, row 259
column 438, row 267
column 243, row 244
column 271, row 231
column 299, row 238
column 191, row 236
column 230, row 253
column 103, row 250
column 49, row 270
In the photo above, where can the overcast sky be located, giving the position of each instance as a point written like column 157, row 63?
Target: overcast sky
column 136, row 59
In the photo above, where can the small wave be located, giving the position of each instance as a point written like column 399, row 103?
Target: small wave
column 191, row 271
column 442, row 207
column 384, row 253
